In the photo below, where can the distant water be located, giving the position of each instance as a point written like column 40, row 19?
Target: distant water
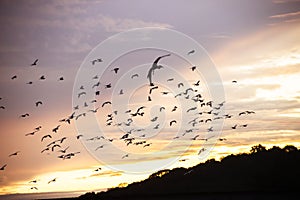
column 34, row 196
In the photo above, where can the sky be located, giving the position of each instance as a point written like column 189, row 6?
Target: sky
column 254, row 42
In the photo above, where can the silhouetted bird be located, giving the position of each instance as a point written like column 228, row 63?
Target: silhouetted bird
column 42, row 77
column 45, row 136
column 56, row 145
column 14, row 77
column 3, row 167
column 38, row 103
column 24, row 115
column 108, row 86
column 115, row 70
column 154, row 67
column 63, row 150
column 197, row 83
column 153, row 88
column 2, row 107
column 180, row 85
column 234, row 81
column 29, row 83
column 172, row 122
column 56, row 129
column 174, row 109
column 193, row 68
column 234, row 127
column 34, row 63
column 51, row 181
column 14, row 154
column 134, row 76
column 125, row 156
column 32, row 133
column 107, row 102
column 96, row 60
column 191, row 52
column 79, row 136
column 61, row 79
column 81, row 93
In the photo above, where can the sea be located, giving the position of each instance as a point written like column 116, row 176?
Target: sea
column 37, row 196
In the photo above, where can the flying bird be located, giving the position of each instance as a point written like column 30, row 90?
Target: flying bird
column 47, row 149
column 107, row 102
column 125, row 156
column 3, row 167
column 108, row 86
column 197, row 83
column 79, row 136
column 201, row 150
column 134, row 76
column 81, row 93
column 234, row 127
column 38, row 128
column 98, row 169
column 180, row 85
column 14, row 77
column 53, row 180
column 56, row 129
column 38, row 103
column 35, row 62
column 174, row 109
column 96, row 84
column 172, row 122
column 115, row 70
column 191, row 109
column 55, row 145
column 96, row 77
column 94, row 111
column 234, row 81
column 24, row 115
column 63, row 150
column 42, row 77
column 29, row 83
column 45, row 136
column 61, row 79
column 191, row 52
column 193, row 68
column 96, row 60
column 32, row 133
column 2, row 107
column 170, row 79
column 153, row 88
column 14, row 154
column 154, row 67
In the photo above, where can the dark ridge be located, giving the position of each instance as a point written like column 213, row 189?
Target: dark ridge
column 260, row 174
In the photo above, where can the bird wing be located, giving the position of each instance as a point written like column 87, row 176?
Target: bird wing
column 160, row 57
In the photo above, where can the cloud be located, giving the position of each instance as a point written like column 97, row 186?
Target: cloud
column 286, row 15
column 285, row 1
column 117, row 24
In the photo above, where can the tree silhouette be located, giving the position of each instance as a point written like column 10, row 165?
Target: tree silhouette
column 268, row 171
column 257, row 148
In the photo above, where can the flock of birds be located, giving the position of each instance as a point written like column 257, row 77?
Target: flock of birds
column 131, row 134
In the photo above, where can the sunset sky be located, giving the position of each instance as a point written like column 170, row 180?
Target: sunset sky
column 255, row 42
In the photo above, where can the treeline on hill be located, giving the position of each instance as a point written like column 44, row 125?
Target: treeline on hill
column 261, row 170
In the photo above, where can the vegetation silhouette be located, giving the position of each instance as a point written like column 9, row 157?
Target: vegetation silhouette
column 260, row 171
